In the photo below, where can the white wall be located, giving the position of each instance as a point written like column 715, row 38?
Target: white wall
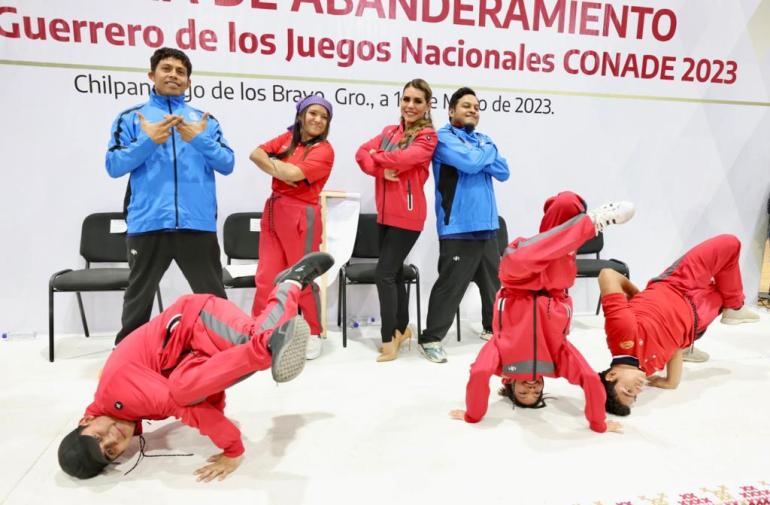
column 694, row 168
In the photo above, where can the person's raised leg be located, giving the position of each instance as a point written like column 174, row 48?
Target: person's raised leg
column 710, row 276
column 229, row 345
column 712, row 262
column 565, row 227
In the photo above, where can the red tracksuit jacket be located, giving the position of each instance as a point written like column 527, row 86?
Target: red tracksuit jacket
column 399, row 203
column 163, row 369
column 533, row 313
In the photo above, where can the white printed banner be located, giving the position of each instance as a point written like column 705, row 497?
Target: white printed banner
column 662, row 103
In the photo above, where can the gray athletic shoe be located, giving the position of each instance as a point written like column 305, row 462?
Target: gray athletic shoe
column 694, row 355
column 738, row 316
column 485, row 335
column 288, row 345
column 433, row 351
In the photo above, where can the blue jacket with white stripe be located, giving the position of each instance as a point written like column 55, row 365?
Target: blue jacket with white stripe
column 171, row 185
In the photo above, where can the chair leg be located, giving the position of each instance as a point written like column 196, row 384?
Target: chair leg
column 50, row 324
column 419, row 312
column 340, row 280
column 82, row 313
column 599, row 305
column 160, row 301
column 458, row 324
column 344, row 304
column 408, row 292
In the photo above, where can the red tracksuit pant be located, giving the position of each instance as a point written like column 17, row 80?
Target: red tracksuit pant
column 290, row 228
column 709, row 275
column 225, row 346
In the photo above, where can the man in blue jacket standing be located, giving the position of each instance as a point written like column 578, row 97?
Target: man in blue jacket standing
column 464, row 164
column 171, row 152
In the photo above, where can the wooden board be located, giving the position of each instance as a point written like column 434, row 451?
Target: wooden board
column 764, row 277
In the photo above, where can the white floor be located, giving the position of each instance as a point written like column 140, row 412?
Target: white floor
column 350, row 430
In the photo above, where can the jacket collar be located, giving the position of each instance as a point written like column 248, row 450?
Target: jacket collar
column 461, row 133
column 625, row 360
column 162, row 101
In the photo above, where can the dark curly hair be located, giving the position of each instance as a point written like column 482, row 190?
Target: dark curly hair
column 612, row 405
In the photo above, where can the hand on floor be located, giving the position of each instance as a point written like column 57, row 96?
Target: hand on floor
column 657, row 381
column 458, row 414
column 614, row 427
column 219, row 466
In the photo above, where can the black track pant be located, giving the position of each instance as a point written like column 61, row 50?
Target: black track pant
column 395, row 244
column 459, row 263
column 149, row 256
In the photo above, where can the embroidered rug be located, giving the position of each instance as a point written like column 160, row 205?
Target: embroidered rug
column 757, row 493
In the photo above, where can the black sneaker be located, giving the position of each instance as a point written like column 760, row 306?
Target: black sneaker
column 307, row 268
column 288, row 345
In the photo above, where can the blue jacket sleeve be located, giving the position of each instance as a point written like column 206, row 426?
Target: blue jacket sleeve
column 213, row 146
column 127, row 149
column 464, row 157
column 498, row 168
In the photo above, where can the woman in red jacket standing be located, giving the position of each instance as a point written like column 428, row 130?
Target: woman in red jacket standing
column 299, row 161
column 398, row 159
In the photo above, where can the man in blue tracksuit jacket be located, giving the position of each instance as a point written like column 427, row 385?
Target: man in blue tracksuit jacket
column 464, row 164
column 171, row 152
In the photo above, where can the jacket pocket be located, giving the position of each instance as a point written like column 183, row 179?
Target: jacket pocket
column 409, row 197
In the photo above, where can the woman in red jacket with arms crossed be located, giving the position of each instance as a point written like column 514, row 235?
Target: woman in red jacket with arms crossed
column 299, row 161
column 398, row 159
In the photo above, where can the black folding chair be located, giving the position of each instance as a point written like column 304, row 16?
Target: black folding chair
column 591, row 267
column 101, row 241
column 367, row 246
column 241, row 242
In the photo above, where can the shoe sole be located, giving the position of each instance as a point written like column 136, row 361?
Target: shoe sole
column 738, row 321
column 282, row 275
column 290, row 360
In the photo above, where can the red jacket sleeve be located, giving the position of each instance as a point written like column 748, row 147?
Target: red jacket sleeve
column 212, row 423
column 417, row 154
column 364, row 158
column 572, row 366
column 477, row 392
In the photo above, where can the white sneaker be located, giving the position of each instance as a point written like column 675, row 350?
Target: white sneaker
column 485, row 335
column 611, row 213
column 314, row 346
column 742, row 315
